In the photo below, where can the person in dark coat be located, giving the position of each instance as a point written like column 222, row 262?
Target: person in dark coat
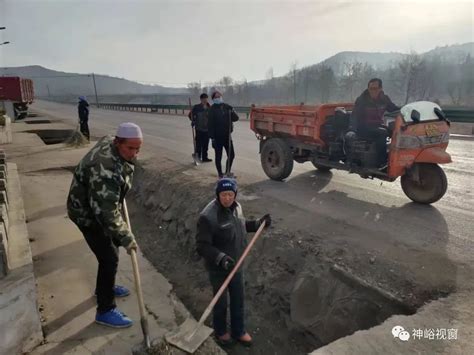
column 220, row 125
column 221, row 241
column 83, row 111
column 367, row 117
column 199, row 119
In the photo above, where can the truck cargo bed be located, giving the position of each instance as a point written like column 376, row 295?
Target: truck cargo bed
column 17, row 90
column 298, row 122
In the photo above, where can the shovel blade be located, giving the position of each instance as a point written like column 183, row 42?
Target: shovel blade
column 184, row 338
column 196, row 159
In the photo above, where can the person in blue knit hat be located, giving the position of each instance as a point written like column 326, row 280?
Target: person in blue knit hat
column 221, row 240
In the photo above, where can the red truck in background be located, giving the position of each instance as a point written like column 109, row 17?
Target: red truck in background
column 19, row 91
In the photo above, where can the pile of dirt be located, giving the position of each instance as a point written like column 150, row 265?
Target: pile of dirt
column 76, row 140
column 297, row 299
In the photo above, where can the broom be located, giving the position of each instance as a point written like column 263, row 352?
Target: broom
column 77, row 139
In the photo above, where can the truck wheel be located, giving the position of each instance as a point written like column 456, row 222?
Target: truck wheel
column 431, row 187
column 322, row 168
column 277, row 159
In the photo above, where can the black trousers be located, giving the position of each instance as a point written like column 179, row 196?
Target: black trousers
column 235, row 291
column 84, row 127
column 218, row 147
column 202, row 144
column 107, row 254
column 379, row 136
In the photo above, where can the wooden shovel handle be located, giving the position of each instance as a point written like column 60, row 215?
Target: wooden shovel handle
column 138, row 284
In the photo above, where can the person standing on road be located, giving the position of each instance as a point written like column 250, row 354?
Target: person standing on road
column 99, row 185
column 221, row 118
column 199, row 119
column 221, row 240
column 83, row 111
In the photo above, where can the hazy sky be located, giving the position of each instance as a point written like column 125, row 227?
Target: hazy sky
column 175, row 42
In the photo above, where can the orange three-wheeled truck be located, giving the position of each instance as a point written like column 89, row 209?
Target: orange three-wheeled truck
column 417, row 139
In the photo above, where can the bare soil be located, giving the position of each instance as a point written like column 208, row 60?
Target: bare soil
column 309, row 281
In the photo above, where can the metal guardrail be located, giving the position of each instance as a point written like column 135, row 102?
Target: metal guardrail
column 161, row 109
column 454, row 114
column 460, row 114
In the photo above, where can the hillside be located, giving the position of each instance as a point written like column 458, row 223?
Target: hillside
column 53, row 83
column 382, row 61
column 67, row 86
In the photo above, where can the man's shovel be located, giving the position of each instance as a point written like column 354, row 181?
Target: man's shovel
column 190, row 335
column 138, row 286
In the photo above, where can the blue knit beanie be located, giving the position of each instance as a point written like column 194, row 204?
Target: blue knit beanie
column 226, row 184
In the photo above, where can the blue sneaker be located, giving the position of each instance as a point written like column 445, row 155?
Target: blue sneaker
column 119, row 291
column 114, row 319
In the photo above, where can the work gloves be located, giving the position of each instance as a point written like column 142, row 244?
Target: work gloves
column 267, row 219
column 132, row 245
column 227, row 263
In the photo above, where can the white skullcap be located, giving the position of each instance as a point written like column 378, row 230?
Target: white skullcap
column 129, row 130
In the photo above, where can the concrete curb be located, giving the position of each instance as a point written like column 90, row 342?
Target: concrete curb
column 464, row 137
column 453, row 312
column 20, row 326
column 5, row 129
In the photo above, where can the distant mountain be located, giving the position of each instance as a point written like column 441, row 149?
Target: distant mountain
column 381, row 61
column 52, row 83
column 454, row 53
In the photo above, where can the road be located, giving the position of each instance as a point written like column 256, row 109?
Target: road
column 445, row 228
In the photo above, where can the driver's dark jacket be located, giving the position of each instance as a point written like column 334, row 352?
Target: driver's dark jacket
column 222, row 231
column 368, row 113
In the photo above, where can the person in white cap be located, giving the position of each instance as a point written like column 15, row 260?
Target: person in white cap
column 99, row 185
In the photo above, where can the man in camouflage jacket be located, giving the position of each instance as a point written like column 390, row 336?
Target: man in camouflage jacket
column 100, row 183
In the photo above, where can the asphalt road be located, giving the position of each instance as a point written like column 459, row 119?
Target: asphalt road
column 445, row 228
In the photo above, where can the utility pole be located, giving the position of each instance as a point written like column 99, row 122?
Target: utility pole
column 95, row 90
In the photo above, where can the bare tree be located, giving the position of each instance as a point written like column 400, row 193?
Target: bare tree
column 352, row 75
column 225, row 83
column 327, row 81
column 467, row 82
column 293, row 71
column 269, row 74
column 415, row 77
column 194, row 89
column 453, row 89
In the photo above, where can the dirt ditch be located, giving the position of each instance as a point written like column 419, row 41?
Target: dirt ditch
column 302, row 291
column 53, row 136
column 37, row 121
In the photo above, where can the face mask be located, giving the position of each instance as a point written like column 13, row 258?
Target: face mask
column 218, row 100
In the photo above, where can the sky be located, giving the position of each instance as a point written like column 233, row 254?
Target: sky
column 176, row 42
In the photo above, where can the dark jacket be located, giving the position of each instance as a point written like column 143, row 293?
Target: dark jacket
column 368, row 112
column 199, row 116
column 222, row 231
column 221, row 116
column 83, row 110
